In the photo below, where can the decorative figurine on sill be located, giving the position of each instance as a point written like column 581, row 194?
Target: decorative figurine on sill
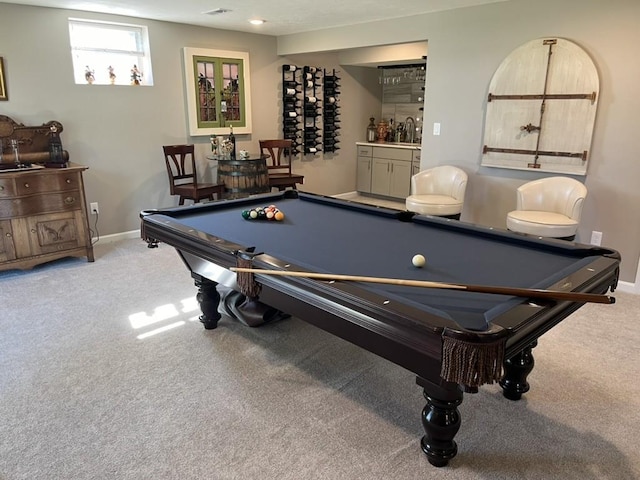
column 88, row 75
column 136, row 76
column 112, row 75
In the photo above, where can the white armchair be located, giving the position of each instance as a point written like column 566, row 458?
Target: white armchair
column 549, row 207
column 438, row 191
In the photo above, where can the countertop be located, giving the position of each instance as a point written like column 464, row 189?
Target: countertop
column 408, row 146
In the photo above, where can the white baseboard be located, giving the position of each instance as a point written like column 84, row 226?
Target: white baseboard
column 116, row 237
column 346, row 195
column 628, row 287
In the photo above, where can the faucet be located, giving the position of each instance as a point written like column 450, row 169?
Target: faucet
column 410, row 129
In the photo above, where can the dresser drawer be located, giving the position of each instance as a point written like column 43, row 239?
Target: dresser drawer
column 43, row 203
column 31, row 184
column 7, row 187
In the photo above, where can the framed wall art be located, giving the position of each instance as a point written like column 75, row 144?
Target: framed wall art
column 3, row 83
column 218, row 91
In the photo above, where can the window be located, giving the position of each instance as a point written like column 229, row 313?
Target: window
column 218, row 91
column 110, row 53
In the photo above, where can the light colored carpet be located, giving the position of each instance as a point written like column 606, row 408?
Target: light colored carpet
column 105, row 373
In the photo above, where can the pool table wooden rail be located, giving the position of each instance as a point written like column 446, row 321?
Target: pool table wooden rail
column 402, row 333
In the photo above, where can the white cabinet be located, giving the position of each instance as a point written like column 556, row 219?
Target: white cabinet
column 415, row 164
column 391, row 171
column 363, row 174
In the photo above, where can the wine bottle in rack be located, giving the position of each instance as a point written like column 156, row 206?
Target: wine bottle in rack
column 289, row 68
column 311, row 136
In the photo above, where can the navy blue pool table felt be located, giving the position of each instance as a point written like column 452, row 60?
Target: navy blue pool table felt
column 343, row 241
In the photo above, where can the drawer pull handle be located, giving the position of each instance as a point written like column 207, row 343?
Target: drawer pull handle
column 26, row 185
column 8, row 235
column 68, row 180
column 69, row 200
column 1, row 188
column 33, row 230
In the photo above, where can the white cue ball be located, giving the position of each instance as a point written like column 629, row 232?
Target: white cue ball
column 418, row 261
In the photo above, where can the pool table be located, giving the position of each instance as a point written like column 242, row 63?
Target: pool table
column 454, row 341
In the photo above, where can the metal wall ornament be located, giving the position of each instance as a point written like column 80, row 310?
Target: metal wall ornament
column 3, row 83
column 541, row 109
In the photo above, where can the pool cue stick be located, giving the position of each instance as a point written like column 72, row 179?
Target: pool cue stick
column 516, row 292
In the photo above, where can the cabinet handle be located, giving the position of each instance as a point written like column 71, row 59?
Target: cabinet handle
column 26, row 185
column 8, row 235
column 1, row 188
column 33, row 230
column 68, row 180
column 69, row 200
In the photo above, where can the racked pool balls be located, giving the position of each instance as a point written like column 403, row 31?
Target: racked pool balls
column 263, row 213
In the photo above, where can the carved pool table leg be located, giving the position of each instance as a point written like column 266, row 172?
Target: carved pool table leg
column 209, row 299
column 516, row 370
column 441, row 420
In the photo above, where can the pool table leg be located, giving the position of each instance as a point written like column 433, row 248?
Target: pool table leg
column 209, row 299
column 441, row 420
column 516, row 370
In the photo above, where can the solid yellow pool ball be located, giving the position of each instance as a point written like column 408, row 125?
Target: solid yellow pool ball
column 418, row 261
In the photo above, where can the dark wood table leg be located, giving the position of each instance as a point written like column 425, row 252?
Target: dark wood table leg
column 209, row 299
column 516, row 370
column 441, row 420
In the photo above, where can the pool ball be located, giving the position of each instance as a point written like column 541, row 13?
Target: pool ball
column 418, row 261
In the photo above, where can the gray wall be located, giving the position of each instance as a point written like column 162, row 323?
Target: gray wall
column 465, row 48
column 118, row 131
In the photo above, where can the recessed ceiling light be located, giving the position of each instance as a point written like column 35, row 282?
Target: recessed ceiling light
column 256, row 21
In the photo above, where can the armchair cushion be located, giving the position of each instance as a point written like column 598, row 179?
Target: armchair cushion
column 549, row 207
column 437, row 191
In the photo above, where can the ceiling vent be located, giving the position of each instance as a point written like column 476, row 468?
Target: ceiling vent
column 217, row 11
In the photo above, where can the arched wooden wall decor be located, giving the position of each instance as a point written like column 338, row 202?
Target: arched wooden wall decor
column 541, row 109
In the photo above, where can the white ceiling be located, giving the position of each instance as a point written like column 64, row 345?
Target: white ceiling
column 282, row 16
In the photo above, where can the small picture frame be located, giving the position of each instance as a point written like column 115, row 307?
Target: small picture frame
column 3, row 85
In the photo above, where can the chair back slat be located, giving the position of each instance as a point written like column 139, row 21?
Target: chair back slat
column 181, row 166
column 280, row 154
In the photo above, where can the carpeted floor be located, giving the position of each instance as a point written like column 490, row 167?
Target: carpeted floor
column 105, row 373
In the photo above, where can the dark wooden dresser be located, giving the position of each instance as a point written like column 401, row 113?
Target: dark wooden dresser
column 43, row 216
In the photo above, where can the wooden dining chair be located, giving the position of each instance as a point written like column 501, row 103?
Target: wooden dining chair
column 280, row 156
column 183, row 175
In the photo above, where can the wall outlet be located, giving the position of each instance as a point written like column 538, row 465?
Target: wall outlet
column 436, row 129
column 94, row 208
column 596, row 238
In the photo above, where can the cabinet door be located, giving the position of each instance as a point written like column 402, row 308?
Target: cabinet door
column 363, row 180
column 400, row 182
column 56, row 232
column 380, row 175
column 7, row 247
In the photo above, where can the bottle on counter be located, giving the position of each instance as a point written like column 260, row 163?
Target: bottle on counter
column 232, row 140
column 382, row 131
column 371, row 130
column 391, row 131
